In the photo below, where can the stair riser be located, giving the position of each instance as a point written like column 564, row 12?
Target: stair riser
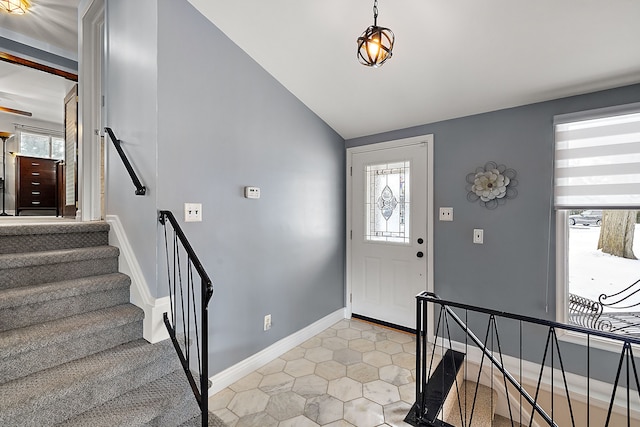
column 39, row 274
column 50, row 410
column 51, row 242
column 26, row 315
column 463, row 400
column 65, row 362
column 151, row 406
column 185, row 410
column 33, row 361
column 450, row 412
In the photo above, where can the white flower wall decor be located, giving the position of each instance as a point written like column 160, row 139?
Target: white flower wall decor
column 491, row 185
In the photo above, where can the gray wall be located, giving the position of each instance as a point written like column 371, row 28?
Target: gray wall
column 131, row 110
column 201, row 120
column 39, row 55
column 514, row 270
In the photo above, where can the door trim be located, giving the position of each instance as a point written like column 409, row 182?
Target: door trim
column 428, row 139
column 90, row 51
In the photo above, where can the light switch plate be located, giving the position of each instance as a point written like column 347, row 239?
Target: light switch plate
column 192, row 212
column 446, row 214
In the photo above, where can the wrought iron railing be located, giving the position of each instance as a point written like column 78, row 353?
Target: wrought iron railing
column 141, row 190
column 622, row 299
column 586, row 312
column 188, row 321
column 618, row 312
column 559, row 397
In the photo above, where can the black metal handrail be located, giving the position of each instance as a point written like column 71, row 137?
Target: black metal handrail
column 184, row 312
column 141, row 190
column 552, row 351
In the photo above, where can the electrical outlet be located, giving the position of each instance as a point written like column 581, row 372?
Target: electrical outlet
column 446, row 214
column 478, row 235
column 192, row 212
column 267, row 322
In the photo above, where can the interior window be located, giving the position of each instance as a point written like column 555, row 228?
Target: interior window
column 41, row 145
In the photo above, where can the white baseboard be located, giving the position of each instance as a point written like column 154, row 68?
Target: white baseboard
column 153, row 325
column 239, row 370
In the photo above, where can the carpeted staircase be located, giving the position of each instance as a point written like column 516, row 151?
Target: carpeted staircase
column 71, row 343
column 453, row 401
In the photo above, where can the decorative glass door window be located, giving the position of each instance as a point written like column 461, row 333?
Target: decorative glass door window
column 387, row 202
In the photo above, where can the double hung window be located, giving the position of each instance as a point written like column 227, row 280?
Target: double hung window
column 597, row 203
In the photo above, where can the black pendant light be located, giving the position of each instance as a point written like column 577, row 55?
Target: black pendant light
column 376, row 43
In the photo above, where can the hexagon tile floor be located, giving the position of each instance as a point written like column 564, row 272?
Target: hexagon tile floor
column 352, row 374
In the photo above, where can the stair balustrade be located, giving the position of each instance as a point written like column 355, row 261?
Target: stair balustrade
column 187, row 323
column 561, row 378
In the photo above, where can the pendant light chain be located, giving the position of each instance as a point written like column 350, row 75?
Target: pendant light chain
column 375, row 12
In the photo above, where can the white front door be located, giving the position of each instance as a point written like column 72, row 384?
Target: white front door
column 389, row 241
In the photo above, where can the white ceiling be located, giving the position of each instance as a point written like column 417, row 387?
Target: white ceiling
column 51, row 26
column 37, row 92
column 452, row 57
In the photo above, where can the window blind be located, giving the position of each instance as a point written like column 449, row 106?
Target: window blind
column 597, row 162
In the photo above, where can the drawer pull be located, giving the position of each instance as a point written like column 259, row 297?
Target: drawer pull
column 35, row 173
column 35, row 203
column 35, row 164
column 35, row 193
column 35, row 183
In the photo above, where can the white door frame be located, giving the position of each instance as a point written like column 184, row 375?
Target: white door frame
column 428, row 139
column 91, row 20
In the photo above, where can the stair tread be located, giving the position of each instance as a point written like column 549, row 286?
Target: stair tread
column 42, row 388
column 71, row 341
column 24, row 295
column 30, row 259
column 500, row 421
column 29, row 338
column 213, row 421
column 142, row 404
column 53, row 228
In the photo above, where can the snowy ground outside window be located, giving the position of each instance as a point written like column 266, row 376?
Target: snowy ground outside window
column 592, row 273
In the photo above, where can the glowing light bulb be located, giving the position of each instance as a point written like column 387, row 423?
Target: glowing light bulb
column 373, row 47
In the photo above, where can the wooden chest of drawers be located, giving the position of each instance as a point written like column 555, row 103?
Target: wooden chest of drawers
column 36, row 184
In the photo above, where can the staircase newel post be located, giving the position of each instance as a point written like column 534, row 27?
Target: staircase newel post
column 204, row 377
column 419, row 337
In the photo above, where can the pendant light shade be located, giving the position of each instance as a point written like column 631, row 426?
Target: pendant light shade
column 16, row 7
column 375, row 45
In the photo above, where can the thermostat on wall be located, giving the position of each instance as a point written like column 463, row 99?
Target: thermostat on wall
column 252, row 192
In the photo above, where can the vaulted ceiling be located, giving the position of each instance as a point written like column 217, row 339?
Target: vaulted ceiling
column 452, row 57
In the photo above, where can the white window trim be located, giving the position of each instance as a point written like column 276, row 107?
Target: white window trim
column 562, row 293
column 562, row 237
column 48, row 133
